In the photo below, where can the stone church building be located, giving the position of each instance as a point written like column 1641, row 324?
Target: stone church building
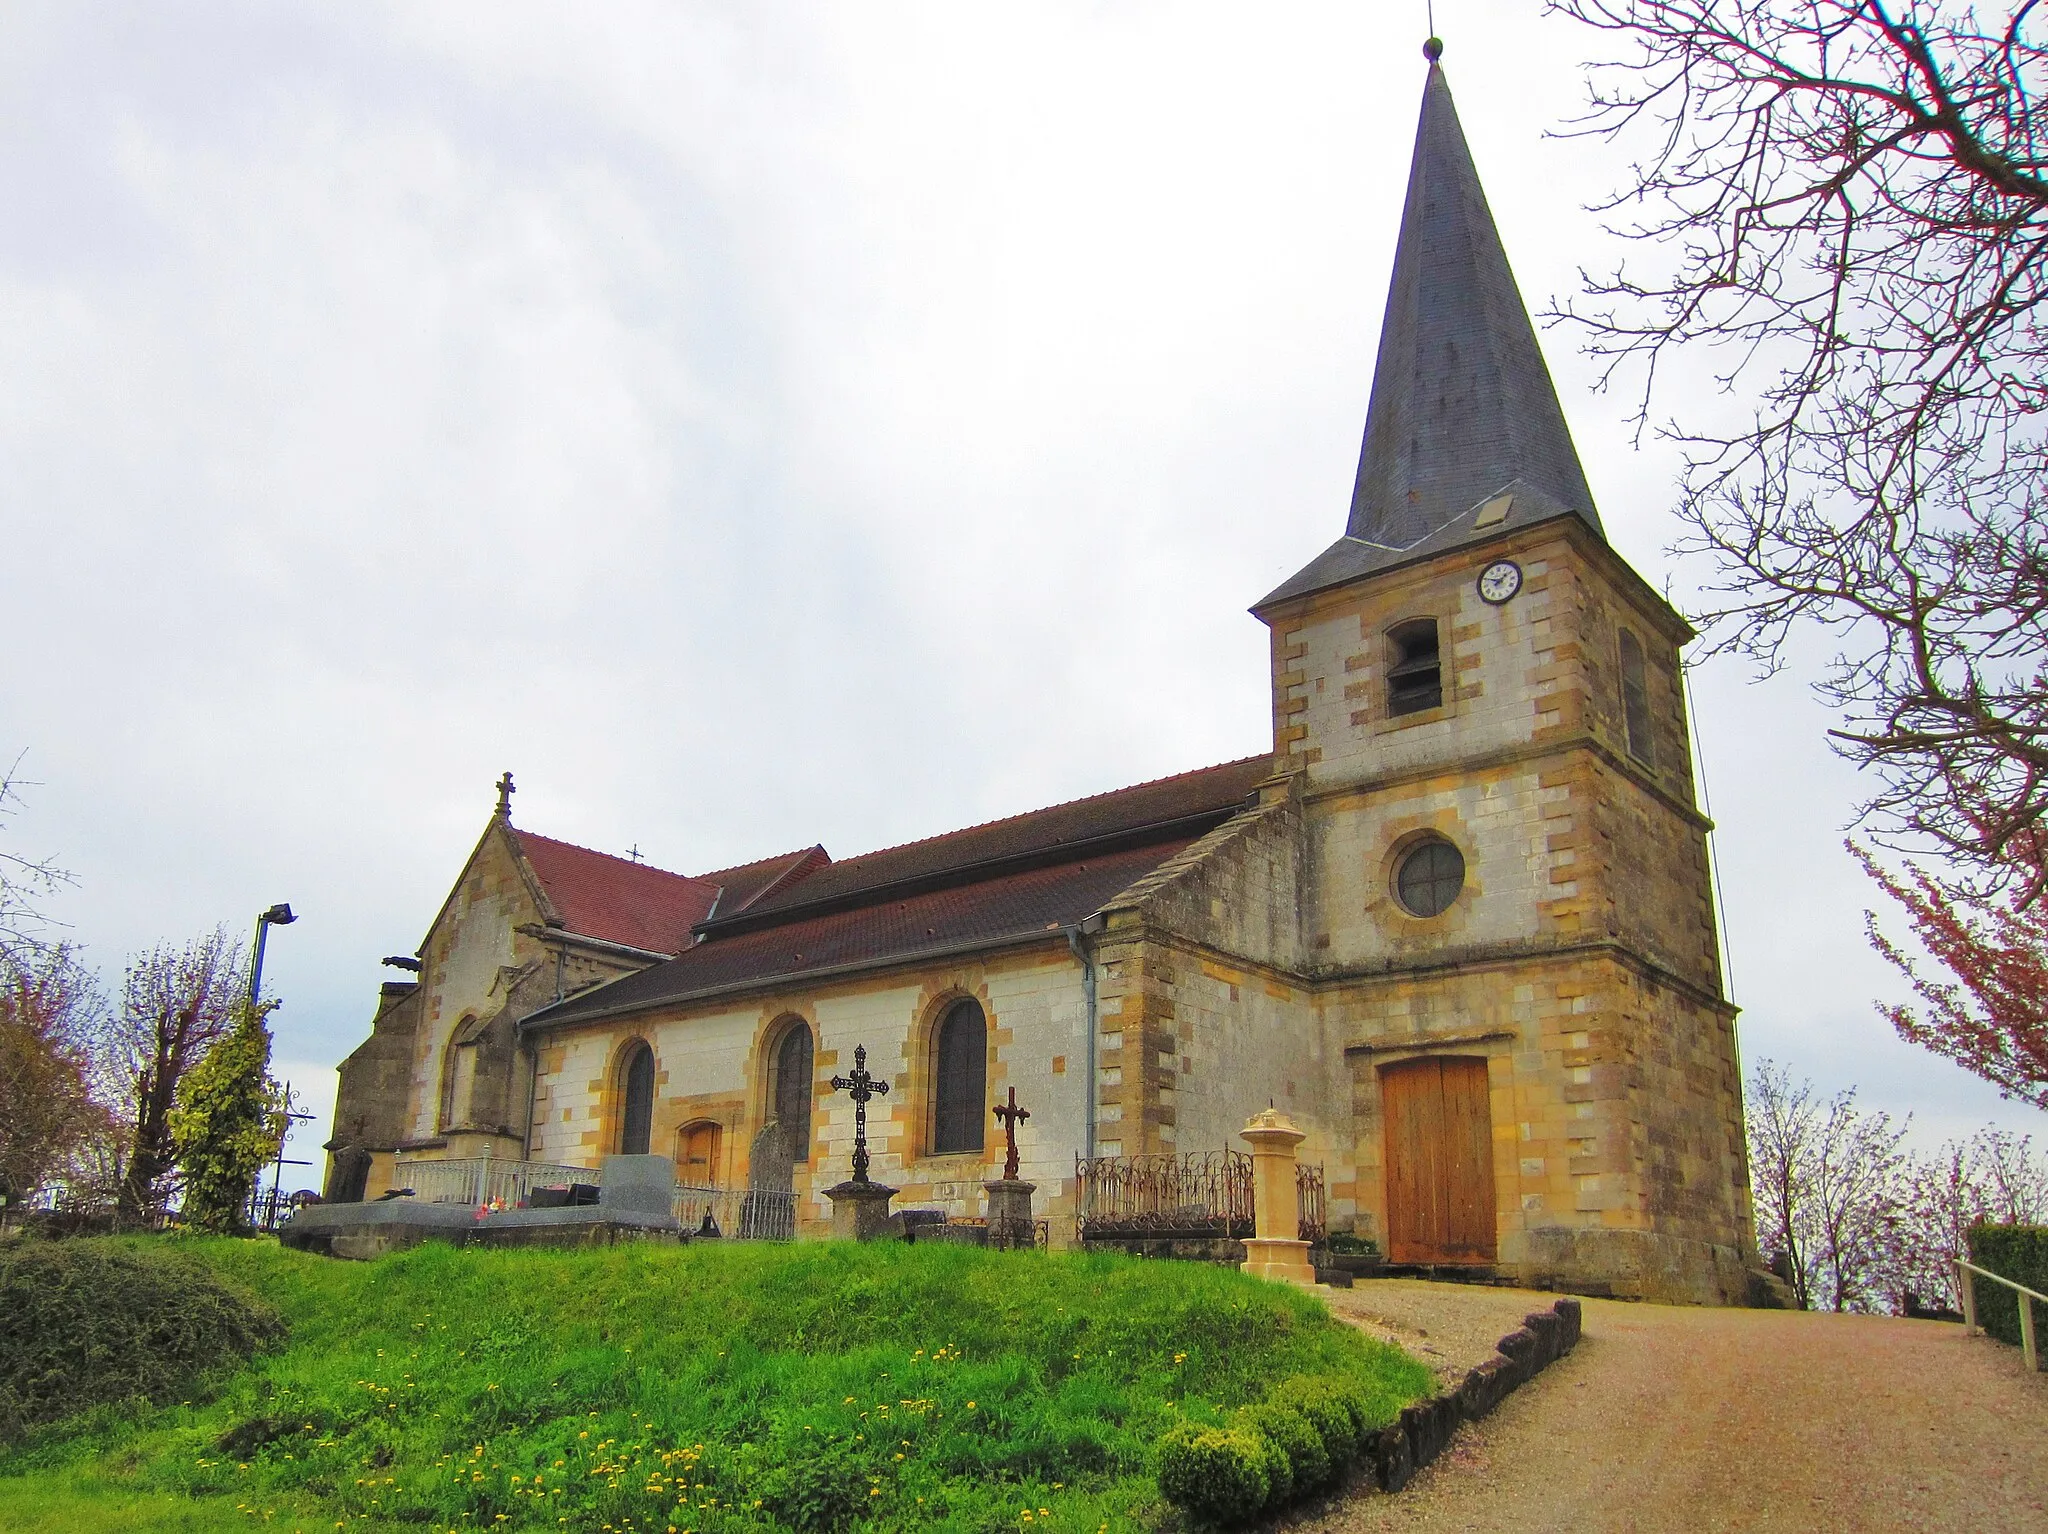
column 1457, row 924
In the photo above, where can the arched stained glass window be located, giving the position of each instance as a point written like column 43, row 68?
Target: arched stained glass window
column 791, row 1102
column 636, row 1123
column 960, row 1080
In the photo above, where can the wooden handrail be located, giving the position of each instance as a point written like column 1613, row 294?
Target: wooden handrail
column 1970, row 1328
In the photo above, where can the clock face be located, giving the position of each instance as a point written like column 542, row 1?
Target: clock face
column 1499, row 581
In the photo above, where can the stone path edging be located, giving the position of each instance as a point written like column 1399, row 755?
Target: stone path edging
column 1424, row 1430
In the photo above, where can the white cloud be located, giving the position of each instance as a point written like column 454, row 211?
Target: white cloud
column 754, row 425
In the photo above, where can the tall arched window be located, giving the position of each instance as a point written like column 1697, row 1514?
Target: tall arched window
column 960, row 1080
column 636, row 1122
column 1415, row 679
column 1635, row 700
column 790, row 1101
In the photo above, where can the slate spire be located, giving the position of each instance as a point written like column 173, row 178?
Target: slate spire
column 1462, row 404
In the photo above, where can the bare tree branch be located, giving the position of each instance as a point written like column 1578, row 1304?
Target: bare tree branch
column 1844, row 203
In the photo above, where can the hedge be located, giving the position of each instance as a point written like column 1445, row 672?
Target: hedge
column 84, row 1324
column 2017, row 1252
column 1302, row 1436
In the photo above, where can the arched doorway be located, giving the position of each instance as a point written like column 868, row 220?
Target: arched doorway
column 697, row 1147
column 1438, row 1153
column 636, row 1112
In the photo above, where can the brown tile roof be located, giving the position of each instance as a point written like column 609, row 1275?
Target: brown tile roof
column 740, row 887
column 992, row 913
column 1009, row 881
column 1056, row 833
column 620, row 901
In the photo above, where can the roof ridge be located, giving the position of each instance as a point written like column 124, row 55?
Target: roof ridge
column 611, row 856
column 773, row 857
column 1044, row 809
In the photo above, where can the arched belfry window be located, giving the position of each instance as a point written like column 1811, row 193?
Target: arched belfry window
column 960, row 1079
column 790, row 1090
column 1635, row 700
column 636, row 1122
column 1415, row 679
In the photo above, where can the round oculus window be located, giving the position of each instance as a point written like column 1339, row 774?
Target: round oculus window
column 1429, row 878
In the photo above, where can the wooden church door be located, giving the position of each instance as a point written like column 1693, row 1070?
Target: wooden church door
column 1438, row 1155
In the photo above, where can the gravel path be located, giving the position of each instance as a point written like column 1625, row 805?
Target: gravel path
column 1669, row 1419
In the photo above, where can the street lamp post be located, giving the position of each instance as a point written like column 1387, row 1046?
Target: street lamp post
column 279, row 915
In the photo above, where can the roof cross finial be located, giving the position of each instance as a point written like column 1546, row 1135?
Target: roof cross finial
column 505, row 793
column 633, row 852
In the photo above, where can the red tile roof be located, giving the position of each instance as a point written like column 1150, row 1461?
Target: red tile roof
column 1009, row 881
column 641, row 906
column 992, row 913
column 615, row 899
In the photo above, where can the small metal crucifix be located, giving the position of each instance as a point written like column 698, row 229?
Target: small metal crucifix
column 1012, row 1116
column 863, row 1089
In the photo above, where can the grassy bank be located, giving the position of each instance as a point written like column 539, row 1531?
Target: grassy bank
column 816, row 1386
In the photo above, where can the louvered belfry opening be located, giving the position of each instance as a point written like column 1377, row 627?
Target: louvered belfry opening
column 960, row 1080
column 1415, row 680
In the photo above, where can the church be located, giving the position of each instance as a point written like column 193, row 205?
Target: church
column 1457, row 924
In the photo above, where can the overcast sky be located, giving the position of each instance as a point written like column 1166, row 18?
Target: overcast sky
column 752, row 425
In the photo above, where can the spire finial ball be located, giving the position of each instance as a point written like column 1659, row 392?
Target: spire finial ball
column 1433, row 49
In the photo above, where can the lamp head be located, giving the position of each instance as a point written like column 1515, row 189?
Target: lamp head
column 279, row 915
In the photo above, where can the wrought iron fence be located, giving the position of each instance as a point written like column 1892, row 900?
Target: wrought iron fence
column 996, row 1235
column 481, row 1180
column 1200, row 1193
column 744, row 1214
column 1310, row 1202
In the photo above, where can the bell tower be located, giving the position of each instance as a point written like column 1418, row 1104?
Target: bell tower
column 1508, row 906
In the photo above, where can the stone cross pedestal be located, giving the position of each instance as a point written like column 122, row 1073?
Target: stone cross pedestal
column 1274, row 1252
column 1009, row 1212
column 860, row 1209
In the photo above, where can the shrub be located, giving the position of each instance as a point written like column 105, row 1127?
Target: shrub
column 1296, row 1437
column 84, row 1324
column 2017, row 1252
column 1222, row 1474
column 1322, row 1402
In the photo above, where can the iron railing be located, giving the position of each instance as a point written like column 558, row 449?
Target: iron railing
column 479, row 1181
column 1311, row 1213
column 1200, row 1193
column 744, row 1214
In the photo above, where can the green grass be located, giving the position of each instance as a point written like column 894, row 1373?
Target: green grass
column 713, row 1388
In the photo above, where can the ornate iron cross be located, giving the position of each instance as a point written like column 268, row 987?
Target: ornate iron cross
column 863, row 1089
column 1012, row 1116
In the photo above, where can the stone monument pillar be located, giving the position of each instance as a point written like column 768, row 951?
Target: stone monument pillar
column 860, row 1209
column 1009, row 1196
column 1274, row 1252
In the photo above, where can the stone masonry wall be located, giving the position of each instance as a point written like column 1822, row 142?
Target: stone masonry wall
column 711, row 1066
